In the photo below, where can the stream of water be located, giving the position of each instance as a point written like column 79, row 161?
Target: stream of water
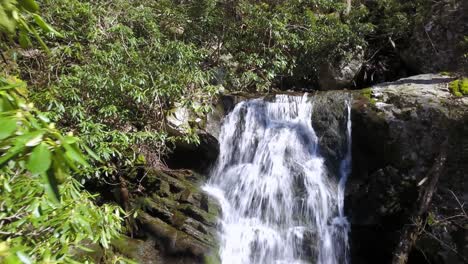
column 279, row 204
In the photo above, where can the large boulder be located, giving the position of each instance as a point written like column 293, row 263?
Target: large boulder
column 172, row 220
column 329, row 120
column 341, row 74
column 398, row 131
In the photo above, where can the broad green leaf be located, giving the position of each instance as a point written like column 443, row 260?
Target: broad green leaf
column 44, row 26
column 7, row 127
column 24, row 139
column 23, row 257
column 75, row 155
column 51, row 186
column 29, row 5
column 40, row 159
column 92, row 153
column 34, row 141
column 11, row 153
column 24, row 40
column 11, row 259
column 70, row 140
column 20, row 143
column 6, row 23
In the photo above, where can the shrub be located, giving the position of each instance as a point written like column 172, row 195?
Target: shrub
column 45, row 216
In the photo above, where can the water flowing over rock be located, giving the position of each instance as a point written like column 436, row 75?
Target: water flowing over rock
column 281, row 173
column 280, row 204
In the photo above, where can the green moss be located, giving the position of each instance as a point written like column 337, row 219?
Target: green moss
column 444, row 73
column 178, row 219
column 126, row 245
column 454, row 88
column 212, row 258
column 459, row 87
column 464, row 86
column 367, row 93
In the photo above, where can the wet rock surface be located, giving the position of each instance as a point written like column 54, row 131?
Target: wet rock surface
column 398, row 129
column 174, row 218
column 329, row 119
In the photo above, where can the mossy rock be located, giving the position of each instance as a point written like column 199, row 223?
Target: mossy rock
column 156, row 209
column 445, row 73
column 367, row 93
column 212, row 258
column 176, row 214
column 142, row 251
column 178, row 219
column 459, row 87
column 198, row 214
column 174, row 240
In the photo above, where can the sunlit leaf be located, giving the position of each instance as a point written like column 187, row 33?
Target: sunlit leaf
column 40, row 159
column 43, row 117
column 7, row 127
column 34, row 141
column 75, row 155
column 29, row 5
column 23, row 257
column 92, row 153
column 70, row 140
column 44, row 26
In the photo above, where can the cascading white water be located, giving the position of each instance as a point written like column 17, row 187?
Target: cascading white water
column 279, row 204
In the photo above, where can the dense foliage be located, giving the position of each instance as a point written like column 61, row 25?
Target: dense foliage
column 122, row 67
column 15, row 21
column 45, row 216
column 116, row 76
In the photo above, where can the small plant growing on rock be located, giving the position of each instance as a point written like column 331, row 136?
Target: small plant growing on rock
column 459, row 87
column 367, row 93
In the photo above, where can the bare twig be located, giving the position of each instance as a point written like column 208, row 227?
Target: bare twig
column 430, row 40
column 445, row 245
column 459, row 203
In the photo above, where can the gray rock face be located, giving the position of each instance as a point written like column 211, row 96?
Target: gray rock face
column 329, row 122
column 398, row 129
column 340, row 75
column 175, row 221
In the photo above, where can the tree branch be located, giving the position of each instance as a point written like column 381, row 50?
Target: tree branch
column 410, row 233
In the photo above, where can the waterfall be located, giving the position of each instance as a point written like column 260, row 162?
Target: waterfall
column 279, row 203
